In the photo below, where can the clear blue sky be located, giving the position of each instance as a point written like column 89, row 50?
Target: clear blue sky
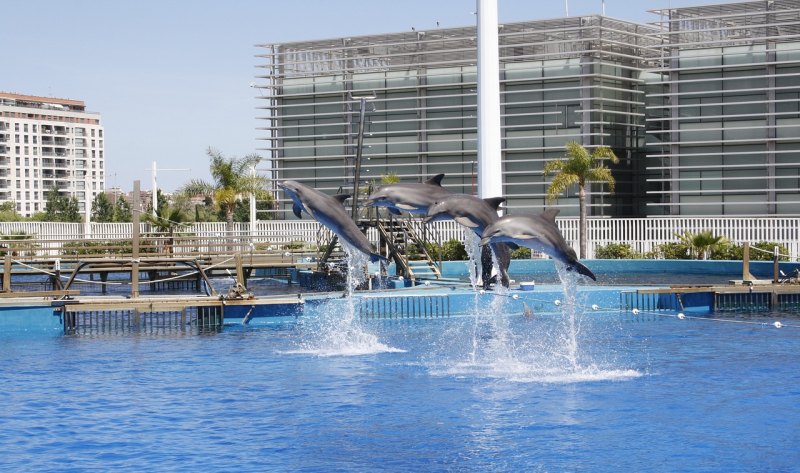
column 171, row 78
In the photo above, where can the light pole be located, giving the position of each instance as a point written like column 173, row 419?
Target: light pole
column 359, row 146
column 153, row 171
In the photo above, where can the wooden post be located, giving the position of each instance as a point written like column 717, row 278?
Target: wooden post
column 746, row 276
column 240, row 271
column 7, row 273
column 135, row 242
column 775, row 265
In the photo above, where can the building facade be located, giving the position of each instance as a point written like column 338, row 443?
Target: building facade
column 49, row 143
column 700, row 107
column 724, row 110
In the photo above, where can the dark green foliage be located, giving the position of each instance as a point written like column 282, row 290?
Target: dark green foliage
column 8, row 212
column 671, row 250
column 108, row 247
column 759, row 251
column 102, row 209
column 122, row 211
column 14, row 244
column 616, row 251
column 453, row 250
column 521, row 253
column 61, row 208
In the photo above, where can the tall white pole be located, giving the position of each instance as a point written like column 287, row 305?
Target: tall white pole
column 490, row 177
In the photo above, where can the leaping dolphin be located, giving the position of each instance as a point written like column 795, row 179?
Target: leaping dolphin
column 330, row 212
column 538, row 232
column 475, row 214
column 414, row 198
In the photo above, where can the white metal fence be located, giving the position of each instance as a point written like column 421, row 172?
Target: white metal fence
column 643, row 234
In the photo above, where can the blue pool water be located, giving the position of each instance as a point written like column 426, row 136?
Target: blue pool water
column 485, row 392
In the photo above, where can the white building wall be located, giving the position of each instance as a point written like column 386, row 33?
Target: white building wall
column 45, row 147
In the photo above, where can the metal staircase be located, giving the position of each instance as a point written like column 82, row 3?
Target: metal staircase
column 410, row 248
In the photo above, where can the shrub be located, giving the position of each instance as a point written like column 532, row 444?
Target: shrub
column 14, row 243
column 616, row 251
column 671, row 250
column 768, row 248
column 453, row 250
column 736, row 252
column 521, row 253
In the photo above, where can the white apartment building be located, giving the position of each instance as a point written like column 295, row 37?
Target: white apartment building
column 47, row 143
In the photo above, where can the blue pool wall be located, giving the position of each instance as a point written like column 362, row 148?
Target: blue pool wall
column 30, row 319
column 759, row 269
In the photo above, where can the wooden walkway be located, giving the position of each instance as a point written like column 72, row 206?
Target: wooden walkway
column 717, row 298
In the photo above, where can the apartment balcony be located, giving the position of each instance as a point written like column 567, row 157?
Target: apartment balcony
column 5, row 161
column 4, row 138
column 5, row 172
column 63, row 185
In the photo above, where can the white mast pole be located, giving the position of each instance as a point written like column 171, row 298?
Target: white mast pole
column 490, row 177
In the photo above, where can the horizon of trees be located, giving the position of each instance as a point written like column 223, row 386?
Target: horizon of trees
column 181, row 207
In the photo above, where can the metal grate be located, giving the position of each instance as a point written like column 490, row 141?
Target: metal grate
column 133, row 320
column 404, row 307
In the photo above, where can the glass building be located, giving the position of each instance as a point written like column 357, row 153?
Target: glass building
column 723, row 110
column 701, row 107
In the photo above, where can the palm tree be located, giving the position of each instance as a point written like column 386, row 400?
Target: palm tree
column 580, row 168
column 233, row 179
column 164, row 221
column 701, row 244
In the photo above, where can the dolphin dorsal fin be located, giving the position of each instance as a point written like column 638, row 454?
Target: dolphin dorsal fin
column 550, row 214
column 435, row 180
column 342, row 197
column 494, row 202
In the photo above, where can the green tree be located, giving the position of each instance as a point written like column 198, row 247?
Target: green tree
column 580, row 168
column 122, row 211
column 701, row 244
column 102, row 209
column 233, row 178
column 8, row 212
column 242, row 211
column 61, row 208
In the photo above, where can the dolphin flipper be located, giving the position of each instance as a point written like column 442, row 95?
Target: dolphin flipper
column 298, row 211
column 582, row 269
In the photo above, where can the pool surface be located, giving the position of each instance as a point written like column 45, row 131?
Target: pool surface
column 566, row 389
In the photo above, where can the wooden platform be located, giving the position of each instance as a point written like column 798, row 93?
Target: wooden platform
column 91, row 314
column 717, row 298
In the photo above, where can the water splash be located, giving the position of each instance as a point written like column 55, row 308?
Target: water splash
column 498, row 342
column 336, row 329
column 473, row 248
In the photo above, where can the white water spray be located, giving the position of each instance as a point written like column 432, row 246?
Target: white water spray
column 336, row 330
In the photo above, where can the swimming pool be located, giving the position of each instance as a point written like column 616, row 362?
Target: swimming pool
column 329, row 391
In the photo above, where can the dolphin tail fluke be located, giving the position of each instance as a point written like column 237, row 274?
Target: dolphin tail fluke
column 580, row 268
